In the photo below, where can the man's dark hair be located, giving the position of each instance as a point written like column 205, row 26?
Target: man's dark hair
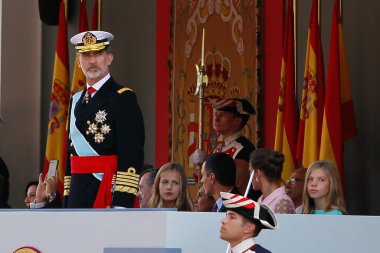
column 268, row 161
column 258, row 228
column 152, row 173
column 223, row 167
column 258, row 225
column 29, row 184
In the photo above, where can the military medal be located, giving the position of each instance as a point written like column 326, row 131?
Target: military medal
column 86, row 97
column 99, row 138
column 98, row 128
column 100, row 116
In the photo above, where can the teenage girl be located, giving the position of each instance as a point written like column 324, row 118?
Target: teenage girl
column 323, row 192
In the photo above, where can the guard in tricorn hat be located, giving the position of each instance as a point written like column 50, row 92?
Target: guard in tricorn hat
column 106, row 132
column 231, row 115
column 244, row 220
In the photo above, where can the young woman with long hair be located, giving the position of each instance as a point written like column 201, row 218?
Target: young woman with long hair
column 323, row 193
column 170, row 189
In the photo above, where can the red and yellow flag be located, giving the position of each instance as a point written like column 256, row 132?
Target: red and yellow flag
column 286, row 127
column 95, row 20
column 79, row 80
column 59, row 100
column 339, row 117
column 347, row 106
column 311, row 114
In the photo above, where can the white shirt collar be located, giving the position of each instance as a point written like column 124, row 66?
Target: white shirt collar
column 231, row 138
column 219, row 203
column 99, row 83
column 243, row 246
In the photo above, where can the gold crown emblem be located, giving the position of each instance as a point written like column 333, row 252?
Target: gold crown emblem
column 89, row 39
column 218, row 71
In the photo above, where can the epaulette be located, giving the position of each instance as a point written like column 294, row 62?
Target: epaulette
column 124, row 89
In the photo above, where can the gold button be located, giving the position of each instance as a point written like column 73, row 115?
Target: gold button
column 87, row 132
column 88, row 122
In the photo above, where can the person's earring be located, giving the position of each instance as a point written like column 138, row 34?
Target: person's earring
column 257, row 180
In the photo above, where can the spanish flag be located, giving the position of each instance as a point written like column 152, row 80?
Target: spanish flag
column 79, row 80
column 286, row 127
column 339, row 117
column 59, row 100
column 311, row 113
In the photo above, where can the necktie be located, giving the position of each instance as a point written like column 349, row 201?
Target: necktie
column 87, row 96
column 215, row 208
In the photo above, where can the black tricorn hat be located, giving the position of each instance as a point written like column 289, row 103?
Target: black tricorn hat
column 250, row 209
column 239, row 106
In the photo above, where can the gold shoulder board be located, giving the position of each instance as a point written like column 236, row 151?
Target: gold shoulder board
column 123, row 89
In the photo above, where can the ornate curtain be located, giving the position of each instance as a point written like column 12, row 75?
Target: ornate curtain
column 231, row 60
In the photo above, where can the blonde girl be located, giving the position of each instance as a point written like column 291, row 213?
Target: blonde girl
column 323, row 192
column 170, row 189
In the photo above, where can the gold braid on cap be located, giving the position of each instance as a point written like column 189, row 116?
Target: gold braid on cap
column 127, row 181
column 91, row 43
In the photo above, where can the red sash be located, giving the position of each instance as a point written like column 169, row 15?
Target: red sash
column 97, row 164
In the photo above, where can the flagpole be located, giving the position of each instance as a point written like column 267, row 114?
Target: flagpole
column 341, row 9
column 65, row 2
column 202, row 81
column 200, row 89
column 295, row 45
column 99, row 14
column 319, row 12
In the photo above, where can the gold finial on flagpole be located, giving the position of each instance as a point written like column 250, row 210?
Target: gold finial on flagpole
column 202, row 81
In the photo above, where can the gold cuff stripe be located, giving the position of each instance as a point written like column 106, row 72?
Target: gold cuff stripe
column 126, row 184
column 128, row 175
column 120, row 188
column 131, row 180
column 66, row 192
column 66, row 185
column 134, row 179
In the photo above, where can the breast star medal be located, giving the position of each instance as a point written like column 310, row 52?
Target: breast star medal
column 98, row 128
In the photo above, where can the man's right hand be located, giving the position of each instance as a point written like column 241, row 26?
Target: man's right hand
column 41, row 190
